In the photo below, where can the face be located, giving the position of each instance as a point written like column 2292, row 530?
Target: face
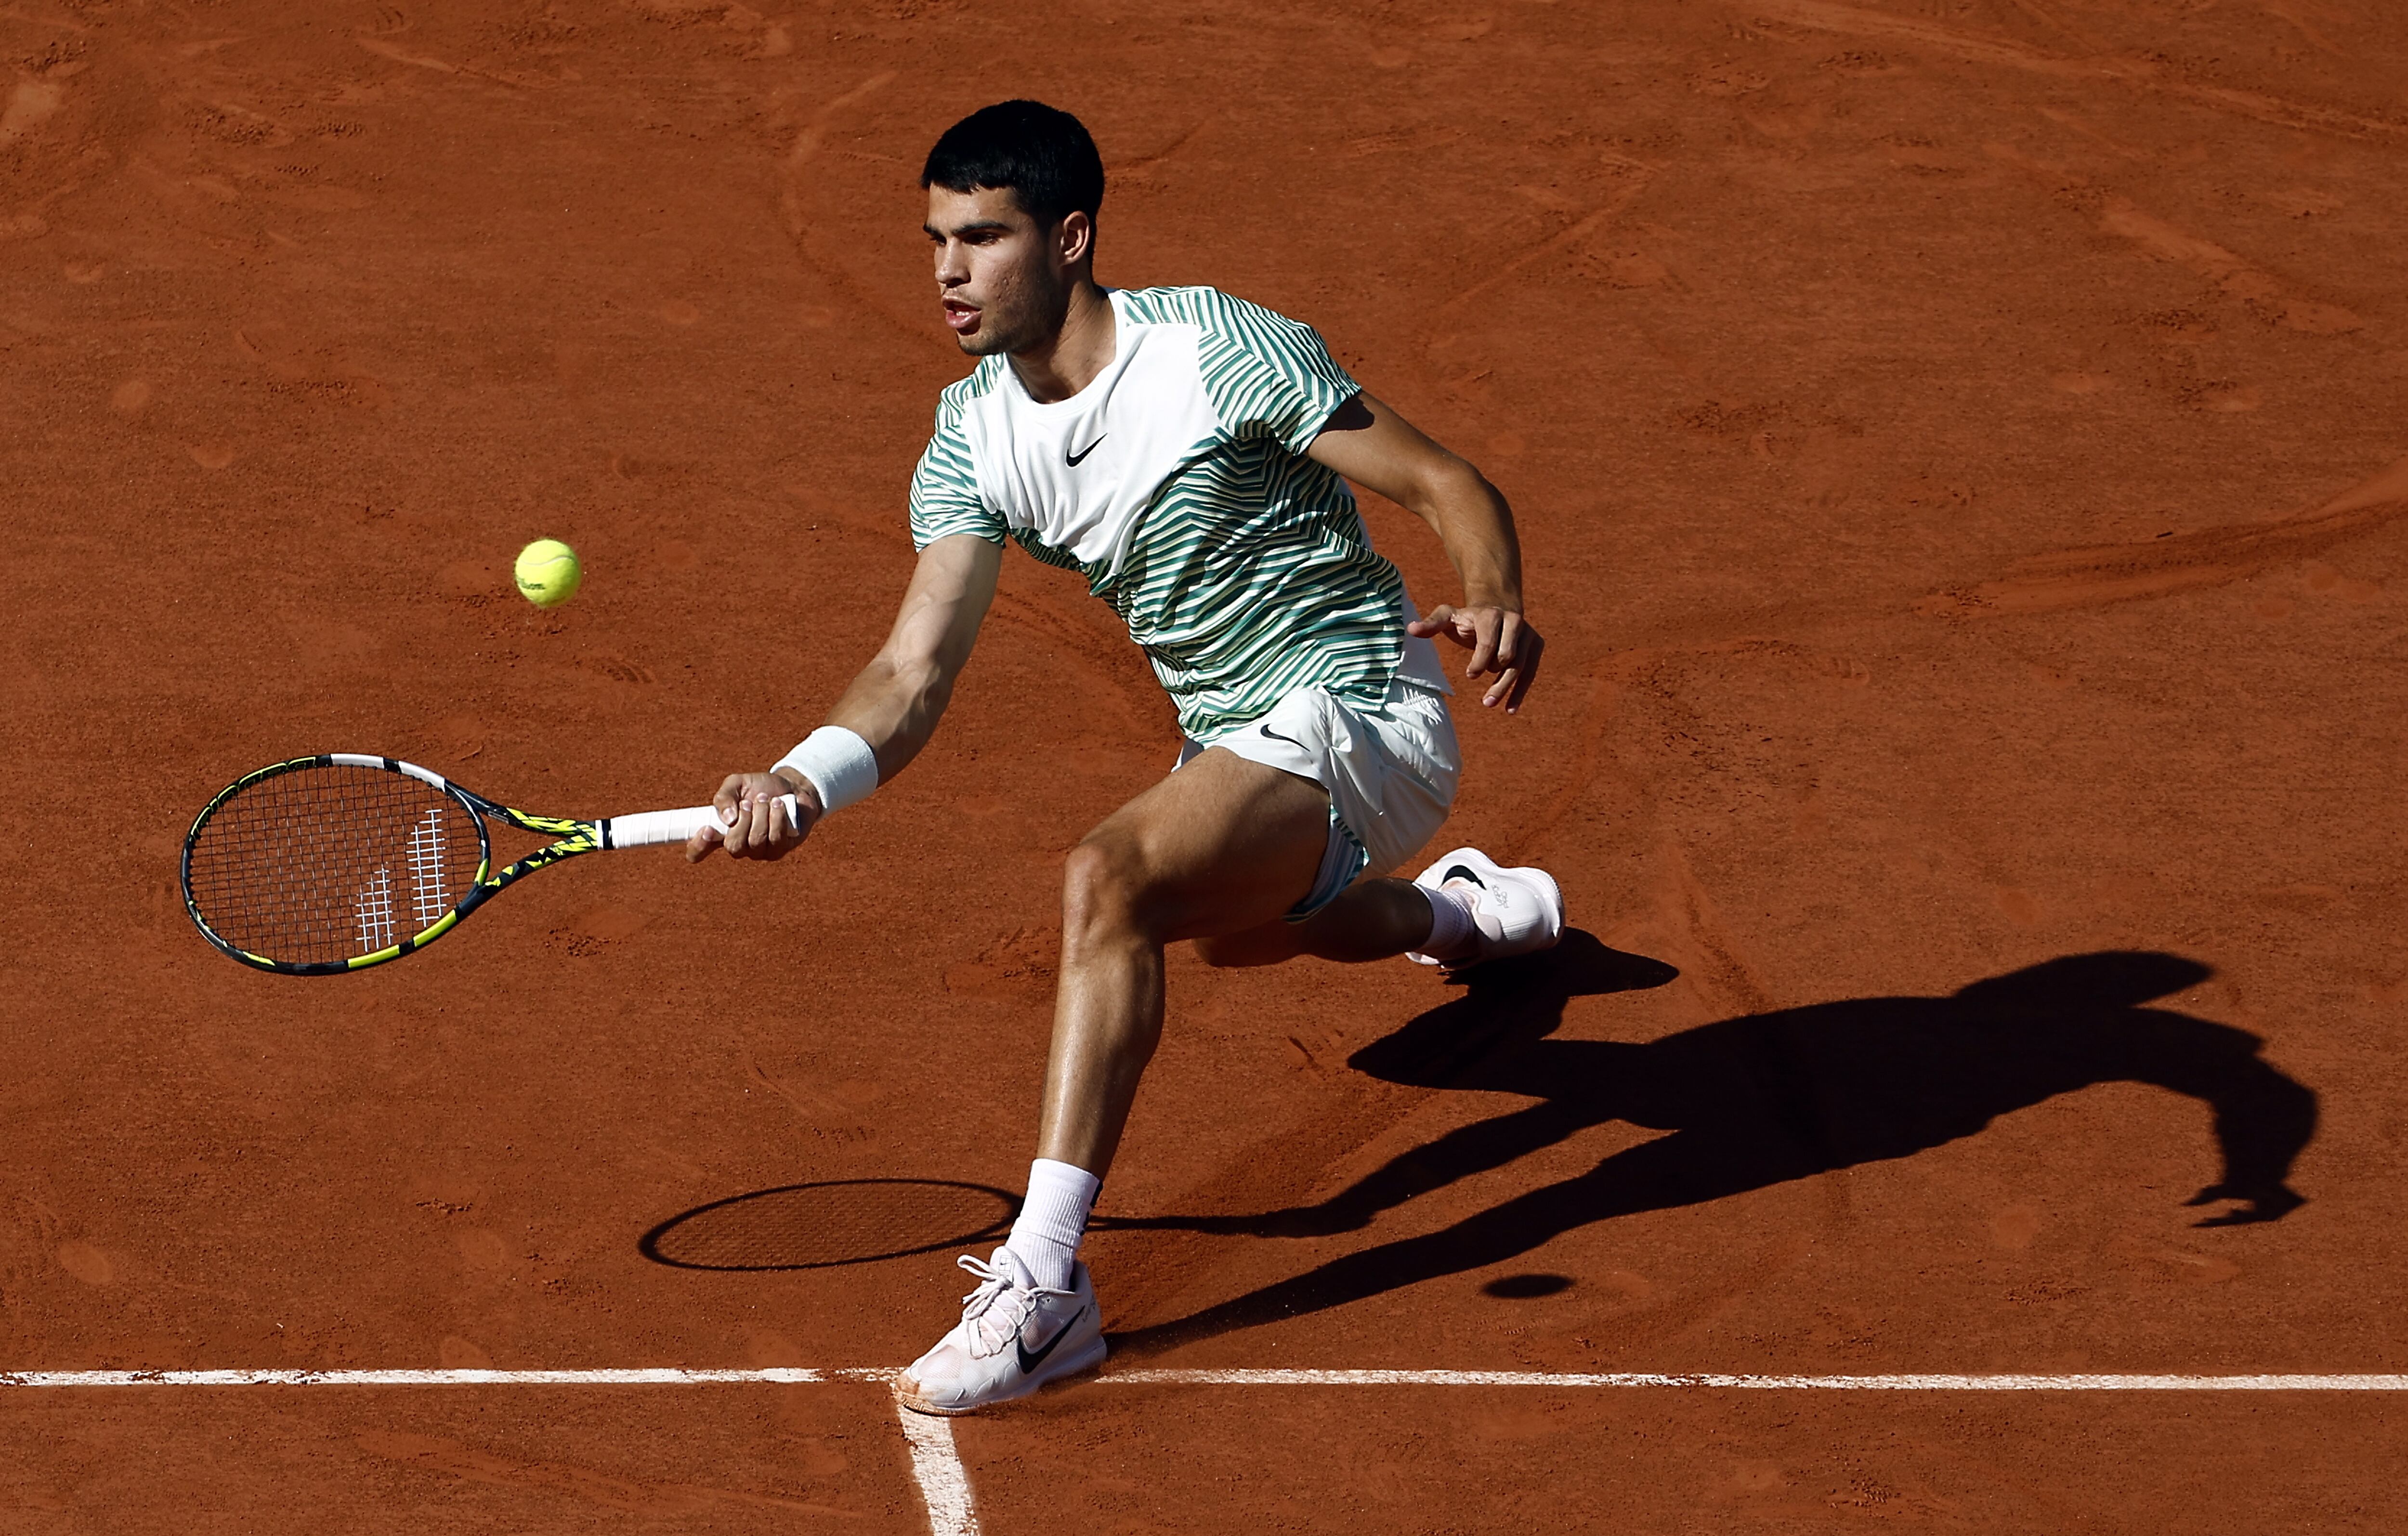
column 1004, row 283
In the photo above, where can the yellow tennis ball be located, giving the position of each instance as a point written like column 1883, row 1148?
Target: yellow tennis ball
column 548, row 573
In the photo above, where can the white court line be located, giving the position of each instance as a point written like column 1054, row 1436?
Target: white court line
column 944, row 1483
column 647, row 1376
column 1775, row 1384
column 937, row 1467
column 776, row 1375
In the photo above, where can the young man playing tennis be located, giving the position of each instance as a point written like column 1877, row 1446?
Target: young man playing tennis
column 1187, row 453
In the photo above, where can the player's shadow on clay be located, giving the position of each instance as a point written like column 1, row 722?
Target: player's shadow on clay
column 1759, row 1101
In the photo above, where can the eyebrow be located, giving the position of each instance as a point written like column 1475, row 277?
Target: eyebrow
column 935, row 234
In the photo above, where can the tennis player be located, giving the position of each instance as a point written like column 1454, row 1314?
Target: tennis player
column 1187, row 453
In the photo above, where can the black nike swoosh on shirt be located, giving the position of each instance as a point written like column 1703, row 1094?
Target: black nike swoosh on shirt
column 1029, row 1363
column 1073, row 459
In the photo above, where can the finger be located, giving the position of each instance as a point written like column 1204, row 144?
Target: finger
column 1498, row 689
column 730, row 805
column 1438, row 621
column 730, row 789
column 698, row 847
column 1483, row 653
column 771, row 831
column 1509, row 634
column 741, row 838
column 1533, row 649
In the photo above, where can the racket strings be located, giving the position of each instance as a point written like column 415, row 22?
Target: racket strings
column 331, row 862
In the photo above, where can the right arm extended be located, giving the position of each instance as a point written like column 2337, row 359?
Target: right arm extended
column 894, row 705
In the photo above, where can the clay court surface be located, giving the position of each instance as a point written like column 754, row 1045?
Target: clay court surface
column 1960, row 448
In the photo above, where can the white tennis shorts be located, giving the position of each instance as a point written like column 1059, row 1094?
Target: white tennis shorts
column 1390, row 769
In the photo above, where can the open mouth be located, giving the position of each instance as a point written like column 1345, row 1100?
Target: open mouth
column 962, row 318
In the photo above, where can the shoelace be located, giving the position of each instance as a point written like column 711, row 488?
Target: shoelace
column 994, row 1282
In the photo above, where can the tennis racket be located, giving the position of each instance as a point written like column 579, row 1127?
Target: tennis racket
column 327, row 865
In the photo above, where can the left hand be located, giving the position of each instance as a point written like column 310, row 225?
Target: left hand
column 1501, row 642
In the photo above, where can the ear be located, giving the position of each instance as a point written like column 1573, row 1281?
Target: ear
column 1074, row 238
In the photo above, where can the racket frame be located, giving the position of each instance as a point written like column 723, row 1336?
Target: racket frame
column 570, row 837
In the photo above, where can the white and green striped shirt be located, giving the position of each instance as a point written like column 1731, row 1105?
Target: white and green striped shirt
column 1177, row 484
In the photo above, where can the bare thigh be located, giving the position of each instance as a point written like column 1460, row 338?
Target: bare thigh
column 1221, row 846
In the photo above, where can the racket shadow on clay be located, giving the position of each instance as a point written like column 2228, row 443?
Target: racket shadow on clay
column 830, row 1224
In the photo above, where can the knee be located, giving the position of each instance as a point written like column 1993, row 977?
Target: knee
column 1103, row 891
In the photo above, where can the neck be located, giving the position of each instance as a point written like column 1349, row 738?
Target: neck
column 1068, row 360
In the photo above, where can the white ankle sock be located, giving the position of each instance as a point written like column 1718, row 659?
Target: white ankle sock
column 1046, row 1235
column 1453, row 934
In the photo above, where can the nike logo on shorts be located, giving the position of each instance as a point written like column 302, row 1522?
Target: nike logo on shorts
column 1029, row 1363
column 1277, row 737
column 1073, row 459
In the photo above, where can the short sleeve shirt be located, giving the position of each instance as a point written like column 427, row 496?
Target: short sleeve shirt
column 1177, row 483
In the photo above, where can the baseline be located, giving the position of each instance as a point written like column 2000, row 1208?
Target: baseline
column 1918, row 1383
column 789, row 1375
column 943, row 1482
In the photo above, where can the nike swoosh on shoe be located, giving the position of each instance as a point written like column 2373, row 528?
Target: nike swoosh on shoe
column 1029, row 1363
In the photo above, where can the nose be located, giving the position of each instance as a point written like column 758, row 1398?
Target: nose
column 953, row 267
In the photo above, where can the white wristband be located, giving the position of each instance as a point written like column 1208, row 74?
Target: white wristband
column 839, row 764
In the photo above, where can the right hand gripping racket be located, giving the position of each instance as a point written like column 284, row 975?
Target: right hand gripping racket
column 327, row 865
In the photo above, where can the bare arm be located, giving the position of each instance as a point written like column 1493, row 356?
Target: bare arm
column 1379, row 451
column 894, row 704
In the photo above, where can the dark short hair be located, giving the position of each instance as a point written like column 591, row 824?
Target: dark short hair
column 1042, row 154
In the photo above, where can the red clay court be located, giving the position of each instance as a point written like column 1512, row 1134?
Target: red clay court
column 1961, row 447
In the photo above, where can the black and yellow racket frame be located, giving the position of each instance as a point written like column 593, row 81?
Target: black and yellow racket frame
column 573, row 838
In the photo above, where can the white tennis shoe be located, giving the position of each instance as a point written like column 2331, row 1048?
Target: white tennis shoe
column 1514, row 912
column 1014, row 1336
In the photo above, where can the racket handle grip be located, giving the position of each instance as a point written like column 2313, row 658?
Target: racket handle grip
column 649, row 828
